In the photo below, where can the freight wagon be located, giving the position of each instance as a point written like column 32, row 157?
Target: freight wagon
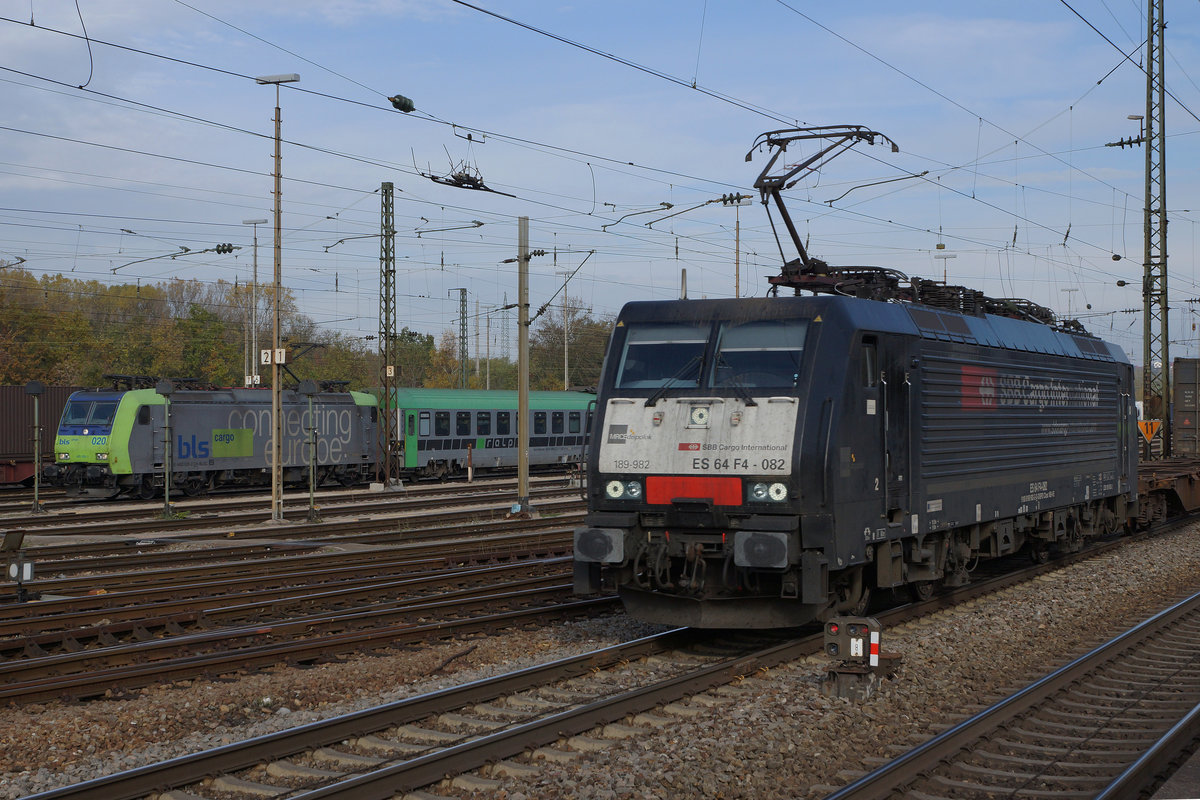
column 16, row 429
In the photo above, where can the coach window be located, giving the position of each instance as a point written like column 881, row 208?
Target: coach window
column 502, row 423
column 574, row 421
column 424, row 427
column 441, row 423
column 462, row 423
column 483, row 423
column 556, row 422
column 539, row 422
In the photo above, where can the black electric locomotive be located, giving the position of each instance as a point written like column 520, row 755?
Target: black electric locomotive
column 766, row 462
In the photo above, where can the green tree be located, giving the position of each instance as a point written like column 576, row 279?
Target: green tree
column 413, row 354
column 586, row 337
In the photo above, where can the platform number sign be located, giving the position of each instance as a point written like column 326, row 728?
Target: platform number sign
column 264, row 356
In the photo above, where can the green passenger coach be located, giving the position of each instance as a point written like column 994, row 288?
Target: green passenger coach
column 442, row 431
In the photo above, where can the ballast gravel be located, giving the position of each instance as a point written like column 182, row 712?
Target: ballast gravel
column 773, row 735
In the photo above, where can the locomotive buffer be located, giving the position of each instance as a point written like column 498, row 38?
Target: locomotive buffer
column 859, row 662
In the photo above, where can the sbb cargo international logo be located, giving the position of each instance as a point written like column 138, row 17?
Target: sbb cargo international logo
column 979, row 388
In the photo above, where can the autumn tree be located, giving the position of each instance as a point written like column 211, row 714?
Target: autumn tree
column 586, row 339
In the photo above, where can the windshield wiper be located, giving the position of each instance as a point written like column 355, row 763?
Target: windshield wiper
column 733, row 381
column 653, row 398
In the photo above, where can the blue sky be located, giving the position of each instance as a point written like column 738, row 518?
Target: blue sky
column 1005, row 106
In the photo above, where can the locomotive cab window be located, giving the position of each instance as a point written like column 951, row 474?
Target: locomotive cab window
column 462, row 423
column 89, row 412
column 662, row 355
column 763, row 353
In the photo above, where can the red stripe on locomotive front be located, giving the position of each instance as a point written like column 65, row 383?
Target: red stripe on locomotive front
column 662, row 489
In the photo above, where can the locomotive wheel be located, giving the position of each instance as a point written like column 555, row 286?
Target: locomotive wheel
column 921, row 590
column 146, row 489
column 860, row 608
column 1039, row 552
column 194, row 487
column 852, row 596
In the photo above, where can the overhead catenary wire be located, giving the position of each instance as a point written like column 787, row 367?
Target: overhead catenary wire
column 615, row 162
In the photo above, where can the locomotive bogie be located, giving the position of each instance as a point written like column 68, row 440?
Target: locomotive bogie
column 792, row 455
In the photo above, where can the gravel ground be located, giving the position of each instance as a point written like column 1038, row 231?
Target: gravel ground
column 776, row 737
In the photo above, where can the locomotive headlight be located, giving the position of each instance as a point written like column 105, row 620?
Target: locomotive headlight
column 763, row 492
column 64, row 456
column 623, row 490
column 102, row 456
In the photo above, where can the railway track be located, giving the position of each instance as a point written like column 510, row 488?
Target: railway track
column 16, row 504
column 75, row 567
column 213, row 618
column 506, row 726
column 404, row 745
column 301, row 639
column 1107, row 725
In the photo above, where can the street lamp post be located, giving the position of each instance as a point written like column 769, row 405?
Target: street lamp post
column 252, row 375
column 276, row 355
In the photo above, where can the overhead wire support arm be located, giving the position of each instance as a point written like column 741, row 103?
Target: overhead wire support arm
column 184, row 251
column 546, row 305
column 725, row 199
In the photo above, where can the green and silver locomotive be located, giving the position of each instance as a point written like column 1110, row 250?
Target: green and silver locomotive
column 114, row 443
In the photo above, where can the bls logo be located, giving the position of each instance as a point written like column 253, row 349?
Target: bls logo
column 191, row 448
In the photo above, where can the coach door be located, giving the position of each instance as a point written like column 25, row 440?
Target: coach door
column 410, row 438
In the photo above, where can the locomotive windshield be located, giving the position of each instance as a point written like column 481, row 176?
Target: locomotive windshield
column 764, row 353
column 662, row 355
column 89, row 412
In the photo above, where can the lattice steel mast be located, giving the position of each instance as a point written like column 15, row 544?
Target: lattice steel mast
column 387, row 331
column 1156, row 385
